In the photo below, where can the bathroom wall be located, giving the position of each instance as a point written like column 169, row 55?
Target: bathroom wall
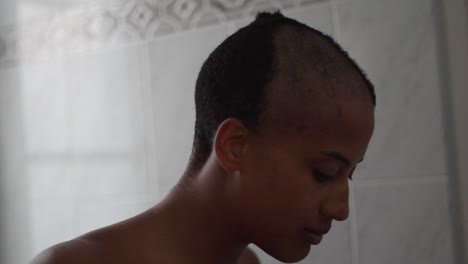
column 99, row 117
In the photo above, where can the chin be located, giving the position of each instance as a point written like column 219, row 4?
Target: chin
column 289, row 254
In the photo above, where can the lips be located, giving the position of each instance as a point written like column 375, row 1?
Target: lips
column 313, row 238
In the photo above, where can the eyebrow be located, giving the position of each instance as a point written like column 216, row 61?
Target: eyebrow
column 339, row 157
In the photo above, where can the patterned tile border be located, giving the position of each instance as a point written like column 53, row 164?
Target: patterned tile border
column 122, row 22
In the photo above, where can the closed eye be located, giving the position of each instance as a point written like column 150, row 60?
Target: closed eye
column 321, row 177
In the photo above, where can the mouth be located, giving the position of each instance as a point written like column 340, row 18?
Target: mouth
column 313, row 237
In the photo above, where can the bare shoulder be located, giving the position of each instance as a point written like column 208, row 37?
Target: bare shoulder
column 74, row 251
column 110, row 244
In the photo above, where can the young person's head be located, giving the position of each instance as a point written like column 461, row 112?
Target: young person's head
column 285, row 113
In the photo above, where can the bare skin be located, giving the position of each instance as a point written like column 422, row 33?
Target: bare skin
column 240, row 197
column 127, row 242
column 279, row 187
column 160, row 235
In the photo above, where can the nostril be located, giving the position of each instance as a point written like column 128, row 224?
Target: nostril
column 337, row 210
column 343, row 215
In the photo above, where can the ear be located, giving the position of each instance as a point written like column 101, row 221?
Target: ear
column 229, row 143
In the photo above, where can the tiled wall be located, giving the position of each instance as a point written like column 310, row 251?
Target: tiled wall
column 107, row 119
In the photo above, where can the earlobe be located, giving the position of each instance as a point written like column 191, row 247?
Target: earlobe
column 229, row 143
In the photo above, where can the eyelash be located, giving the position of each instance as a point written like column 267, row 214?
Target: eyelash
column 321, row 177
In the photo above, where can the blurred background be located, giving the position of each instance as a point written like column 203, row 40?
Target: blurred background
column 97, row 116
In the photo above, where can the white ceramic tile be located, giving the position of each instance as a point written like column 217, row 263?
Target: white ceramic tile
column 334, row 248
column 317, row 15
column 337, row 1
column 30, row 11
column 8, row 12
column 104, row 100
column 149, row 157
column 97, row 178
column 20, row 11
column 47, row 180
column 15, row 241
column 45, row 112
column 175, row 63
column 15, row 230
column 51, row 223
column 254, row 7
column 309, row 2
column 11, row 113
column 404, row 224
column 396, row 43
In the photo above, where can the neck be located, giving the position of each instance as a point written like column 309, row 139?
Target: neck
column 200, row 219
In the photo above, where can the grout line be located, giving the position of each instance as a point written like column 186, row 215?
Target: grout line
column 442, row 23
column 149, row 119
column 353, row 228
column 67, row 155
column 335, row 20
column 142, row 111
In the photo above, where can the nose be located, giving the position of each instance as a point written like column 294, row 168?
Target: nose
column 336, row 204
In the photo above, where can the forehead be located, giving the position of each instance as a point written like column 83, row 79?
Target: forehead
column 307, row 66
column 334, row 125
column 317, row 102
column 310, row 98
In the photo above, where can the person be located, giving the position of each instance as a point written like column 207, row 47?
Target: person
column 283, row 117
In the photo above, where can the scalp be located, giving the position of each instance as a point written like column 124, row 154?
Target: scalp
column 311, row 78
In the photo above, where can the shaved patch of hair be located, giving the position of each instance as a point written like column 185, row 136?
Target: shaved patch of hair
column 234, row 80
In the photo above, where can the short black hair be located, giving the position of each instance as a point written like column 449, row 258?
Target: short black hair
column 232, row 80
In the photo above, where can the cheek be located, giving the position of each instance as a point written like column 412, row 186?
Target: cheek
column 314, row 198
column 274, row 175
column 276, row 181
column 280, row 186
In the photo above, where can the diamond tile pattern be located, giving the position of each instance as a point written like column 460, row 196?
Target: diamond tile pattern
column 101, row 25
column 104, row 23
column 231, row 3
column 141, row 15
column 184, row 9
